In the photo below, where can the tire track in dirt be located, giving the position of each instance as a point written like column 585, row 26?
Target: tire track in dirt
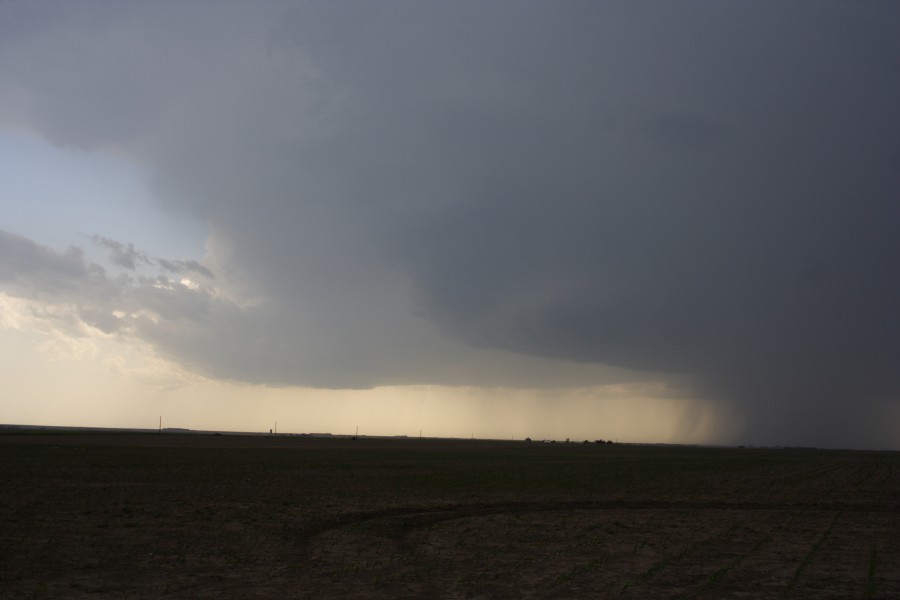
column 808, row 558
column 754, row 565
column 422, row 515
column 885, row 474
column 673, row 559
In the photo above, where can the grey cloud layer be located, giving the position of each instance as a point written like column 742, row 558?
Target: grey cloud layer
column 702, row 189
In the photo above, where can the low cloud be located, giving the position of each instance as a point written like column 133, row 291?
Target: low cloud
column 208, row 330
column 66, row 289
column 39, row 272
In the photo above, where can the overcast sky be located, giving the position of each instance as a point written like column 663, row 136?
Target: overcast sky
column 665, row 221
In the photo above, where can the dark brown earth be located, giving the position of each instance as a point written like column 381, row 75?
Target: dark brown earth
column 203, row 516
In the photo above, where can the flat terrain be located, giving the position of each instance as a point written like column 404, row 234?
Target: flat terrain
column 203, row 516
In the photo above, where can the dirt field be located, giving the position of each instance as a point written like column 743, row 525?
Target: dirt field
column 202, row 516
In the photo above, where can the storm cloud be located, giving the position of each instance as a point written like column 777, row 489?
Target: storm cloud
column 505, row 193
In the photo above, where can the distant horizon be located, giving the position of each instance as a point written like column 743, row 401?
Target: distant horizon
column 300, row 433
column 376, row 436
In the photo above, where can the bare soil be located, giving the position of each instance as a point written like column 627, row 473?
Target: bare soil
column 204, row 516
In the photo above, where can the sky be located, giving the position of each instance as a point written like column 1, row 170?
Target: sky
column 640, row 220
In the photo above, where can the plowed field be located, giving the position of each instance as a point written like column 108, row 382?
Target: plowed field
column 202, row 516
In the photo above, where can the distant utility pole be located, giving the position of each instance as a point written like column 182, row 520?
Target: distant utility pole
column 276, row 427
column 420, row 434
column 160, row 424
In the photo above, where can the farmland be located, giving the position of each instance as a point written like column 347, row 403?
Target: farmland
column 202, row 516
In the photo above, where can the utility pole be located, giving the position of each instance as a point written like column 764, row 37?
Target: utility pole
column 160, row 424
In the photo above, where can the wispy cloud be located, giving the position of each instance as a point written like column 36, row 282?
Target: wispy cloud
column 184, row 266
column 123, row 255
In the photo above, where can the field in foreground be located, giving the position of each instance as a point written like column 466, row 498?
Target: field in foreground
column 194, row 516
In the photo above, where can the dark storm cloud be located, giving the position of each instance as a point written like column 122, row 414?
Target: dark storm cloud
column 706, row 190
column 681, row 128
